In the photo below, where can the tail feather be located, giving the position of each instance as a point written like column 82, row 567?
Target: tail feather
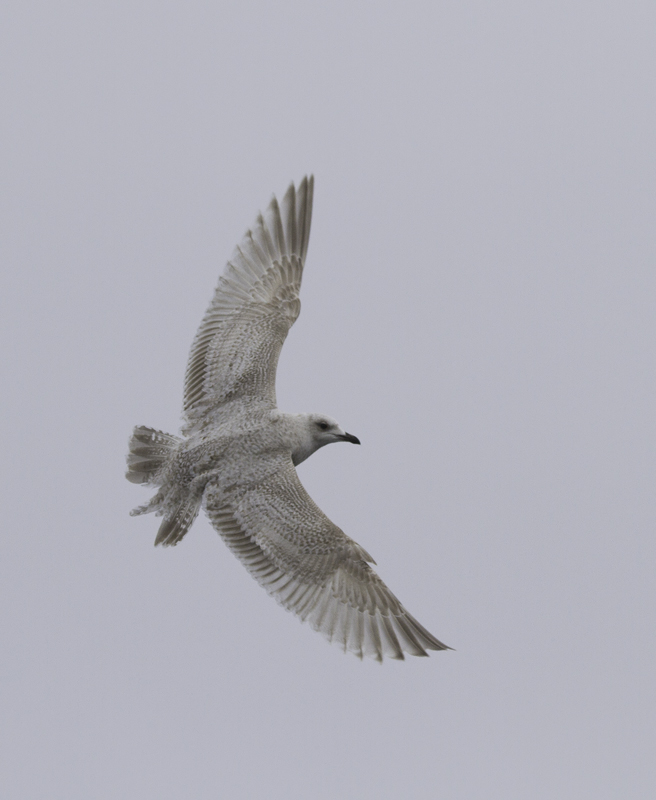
column 154, row 504
column 176, row 524
column 149, row 453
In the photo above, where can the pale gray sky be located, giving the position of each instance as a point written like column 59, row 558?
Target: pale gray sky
column 478, row 307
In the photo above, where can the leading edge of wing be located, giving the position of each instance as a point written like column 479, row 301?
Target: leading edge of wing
column 260, row 283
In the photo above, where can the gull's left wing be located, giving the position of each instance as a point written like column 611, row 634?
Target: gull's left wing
column 313, row 569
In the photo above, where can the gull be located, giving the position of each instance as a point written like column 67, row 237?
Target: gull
column 238, row 453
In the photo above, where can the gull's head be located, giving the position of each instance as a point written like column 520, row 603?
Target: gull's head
column 315, row 431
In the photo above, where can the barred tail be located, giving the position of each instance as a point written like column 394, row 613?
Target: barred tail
column 150, row 451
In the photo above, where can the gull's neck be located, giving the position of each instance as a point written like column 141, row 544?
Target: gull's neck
column 296, row 432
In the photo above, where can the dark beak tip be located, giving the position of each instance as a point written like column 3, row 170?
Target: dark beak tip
column 348, row 437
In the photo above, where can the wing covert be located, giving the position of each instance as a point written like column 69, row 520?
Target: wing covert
column 236, row 349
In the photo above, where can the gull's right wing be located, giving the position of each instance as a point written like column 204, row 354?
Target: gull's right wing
column 313, row 569
column 235, row 352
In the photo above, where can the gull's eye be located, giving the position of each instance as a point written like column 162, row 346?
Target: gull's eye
column 323, row 425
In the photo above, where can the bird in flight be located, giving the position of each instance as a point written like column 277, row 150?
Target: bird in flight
column 237, row 454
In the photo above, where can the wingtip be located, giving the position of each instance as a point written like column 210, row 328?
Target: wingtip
column 290, row 193
column 289, row 219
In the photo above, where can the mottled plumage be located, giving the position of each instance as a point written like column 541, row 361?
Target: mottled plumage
column 238, row 453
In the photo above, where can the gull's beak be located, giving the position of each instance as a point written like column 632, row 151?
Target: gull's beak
column 348, row 437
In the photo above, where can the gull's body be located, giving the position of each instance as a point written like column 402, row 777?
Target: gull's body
column 238, row 455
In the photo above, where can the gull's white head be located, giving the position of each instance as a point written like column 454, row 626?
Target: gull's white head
column 315, row 431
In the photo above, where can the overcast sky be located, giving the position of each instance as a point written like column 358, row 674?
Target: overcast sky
column 478, row 307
